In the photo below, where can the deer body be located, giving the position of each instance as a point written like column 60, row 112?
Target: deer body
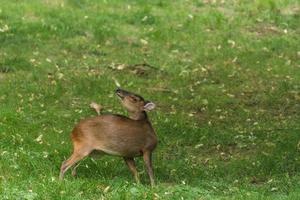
column 116, row 135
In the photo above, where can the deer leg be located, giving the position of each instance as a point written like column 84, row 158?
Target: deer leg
column 75, row 157
column 93, row 154
column 74, row 172
column 148, row 164
column 131, row 165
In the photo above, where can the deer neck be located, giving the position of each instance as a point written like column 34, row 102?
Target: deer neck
column 138, row 115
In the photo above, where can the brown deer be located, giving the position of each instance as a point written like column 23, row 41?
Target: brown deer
column 117, row 135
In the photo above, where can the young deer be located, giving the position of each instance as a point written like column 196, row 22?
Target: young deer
column 117, row 135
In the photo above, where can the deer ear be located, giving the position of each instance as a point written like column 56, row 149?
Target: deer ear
column 149, row 106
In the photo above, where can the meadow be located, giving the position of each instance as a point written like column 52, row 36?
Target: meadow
column 225, row 76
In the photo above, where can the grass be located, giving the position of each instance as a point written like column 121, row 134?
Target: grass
column 225, row 76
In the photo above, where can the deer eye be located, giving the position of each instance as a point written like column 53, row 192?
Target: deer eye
column 134, row 99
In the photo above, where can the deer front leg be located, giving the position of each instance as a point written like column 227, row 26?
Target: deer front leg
column 148, row 163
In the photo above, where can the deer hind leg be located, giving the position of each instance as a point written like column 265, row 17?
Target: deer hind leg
column 94, row 155
column 74, row 170
column 131, row 165
column 77, row 155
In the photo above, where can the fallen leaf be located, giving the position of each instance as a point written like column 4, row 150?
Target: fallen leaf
column 39, row 139
column 106, row 189
column 143, row 41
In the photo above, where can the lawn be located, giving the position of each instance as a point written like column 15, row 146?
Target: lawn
column 225, row 76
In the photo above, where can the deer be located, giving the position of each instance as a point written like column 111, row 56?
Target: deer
column 117, row 135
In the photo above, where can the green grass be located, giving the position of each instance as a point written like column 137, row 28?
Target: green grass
column 225, row 76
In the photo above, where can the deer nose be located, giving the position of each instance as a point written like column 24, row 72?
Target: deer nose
column 120, row 93
column 118, row 90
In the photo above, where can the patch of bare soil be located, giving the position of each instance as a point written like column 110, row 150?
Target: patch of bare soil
column 265, row 30
column 291, row 10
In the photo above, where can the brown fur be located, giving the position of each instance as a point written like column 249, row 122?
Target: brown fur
column 116, row 135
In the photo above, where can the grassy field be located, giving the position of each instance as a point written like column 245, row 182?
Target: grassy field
column 225, row 76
